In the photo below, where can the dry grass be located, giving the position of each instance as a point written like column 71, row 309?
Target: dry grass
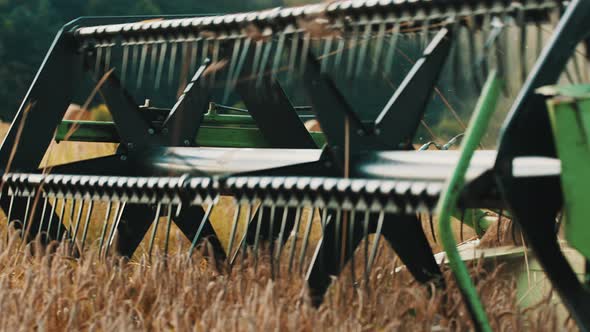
column 51, row 291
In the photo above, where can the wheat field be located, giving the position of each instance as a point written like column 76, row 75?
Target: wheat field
column 46, row 288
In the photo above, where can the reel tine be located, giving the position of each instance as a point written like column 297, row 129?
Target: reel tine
column 234, row 229
column 366, row 38
column 366, row 245
column 168, row 227
column 278, row 53
column 124, row 62
column 243, row 245
column 154, row 45
column 292, row 58
column 43, row 211
column 306, row 239
column 294, row 238
column 107, row 59
column 155, row 224
column 117, row 217
column 86, row 224
column 26, row 218
column 270, row 244
column 103, row 233
column 375, row 245
column 62, row 219
column 304, row 52
column 241, row 61
column 523, row 42
column 351, row 51
column 10, row 209
column 135, row 57
column 194, row 53
column 257, row 236
column 51, row 214
column 163, row 50
column 473, row 57
column 378, row 49
column 215, row 59
column 425, row 33
column 338, row 237
column 263, row 63
column 281, row 236
column 351, row 244
column 339, row 52
column 200, row 229
column 98, row 60
column 141, row 69
column 257, row 58
column 172, row 63
column 391, row 49
column 326, row 54
column 232, row 65
column 205, row 54
column 77, row 223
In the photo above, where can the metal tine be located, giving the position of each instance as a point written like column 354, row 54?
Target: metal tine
column 326, row 53
column 27, row 207
column 263, row 62
column 523, row 41
column 378, row 49
column 496, row 28
column 351, row 248
column 194, row 52
column 338, row 237
column 306, row 239
column 232, row 65
column 51, row 214
column 234, row 228
column 257, row 58
column 103, row 233
column 124, row 62
column 425, row 33
column 375, row 245
column 304, row 52
column 271, row 243
column 154, row 45
column 62, row 219
column 155, row 224
column 292, row 58
column 502, row 55
column 117, row 217
column 172, row 63
column 279, row 50
column 257, row 235
column 135, row 57
column 44, row 210
column 455, row 56
column 351, row 51
column 163, row 51
column 391, row 49
column 205, row 55
column 9, row 210
column 293, row 236
column 241, row 61
column 215, row 59
column 280, row 238
column 473, row 56
column 107, row 60
column 200, row 229
column 339, row 52
column 144, row 51
column 244, row 242
column 86, row 223
column 366, row 245
column 97, row 66
column 366, row 38
column 168, row 228
column 77, row 223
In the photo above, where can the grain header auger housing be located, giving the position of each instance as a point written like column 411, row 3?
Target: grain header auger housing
column 349, row 64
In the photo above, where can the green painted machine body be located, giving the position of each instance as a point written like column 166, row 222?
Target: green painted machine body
column 569, row 111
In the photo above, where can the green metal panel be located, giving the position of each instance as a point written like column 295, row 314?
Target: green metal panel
column 231, row 131
column 569, row 113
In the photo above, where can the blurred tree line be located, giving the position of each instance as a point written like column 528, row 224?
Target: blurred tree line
column 27, row 28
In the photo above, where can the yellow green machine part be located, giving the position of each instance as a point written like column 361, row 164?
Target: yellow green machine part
column 569, row 113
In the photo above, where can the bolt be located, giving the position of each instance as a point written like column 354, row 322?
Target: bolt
column 187, row 142
column 130, row 146
column 164, row 131
column 377, row 131
column 123, row 157
column 151, row 131
column 360, row 132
